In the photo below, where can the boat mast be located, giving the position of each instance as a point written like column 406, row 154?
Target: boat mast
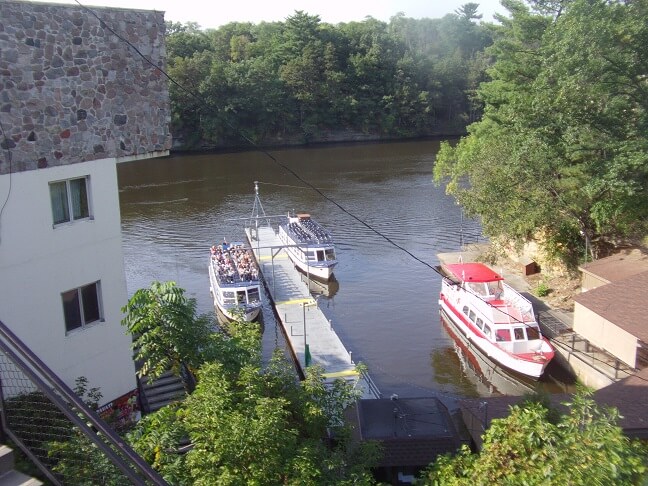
column 257, row 209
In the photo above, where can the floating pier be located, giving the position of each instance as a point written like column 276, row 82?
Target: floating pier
column 309, row 333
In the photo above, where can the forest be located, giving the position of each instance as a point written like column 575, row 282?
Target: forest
column 303, row 80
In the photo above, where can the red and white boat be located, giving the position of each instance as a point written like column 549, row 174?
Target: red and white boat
column 495, row 317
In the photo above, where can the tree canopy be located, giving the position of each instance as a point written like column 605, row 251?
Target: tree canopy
column 302, row 79
column 244, row 422
column 535, row 445
column 562, row 150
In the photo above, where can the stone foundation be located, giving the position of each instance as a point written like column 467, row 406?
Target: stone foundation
column 72, row 90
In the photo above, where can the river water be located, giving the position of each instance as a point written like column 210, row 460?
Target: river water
column 387, row 215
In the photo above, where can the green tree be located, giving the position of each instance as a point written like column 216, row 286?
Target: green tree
column 529, row 447
column 254, row 424
column 168, row 335
column 561, row 151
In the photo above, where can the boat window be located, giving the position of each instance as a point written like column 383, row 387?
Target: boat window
column 253, row 295
column 240, row 297
column 320, row 255
column 480, row 323
column 465, row 309
column 503, row 335
column 495, row 288
column 533, row 332
column 228, row 297
column 477, row 288
column 311, row 255
column 330, row 254
column 487, row 331
column 518, row 332
column 471, row 315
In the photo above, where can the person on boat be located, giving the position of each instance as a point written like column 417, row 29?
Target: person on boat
column 225, row 245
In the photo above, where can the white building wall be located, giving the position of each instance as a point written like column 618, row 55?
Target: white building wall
column 38, row 262
column 605, row 335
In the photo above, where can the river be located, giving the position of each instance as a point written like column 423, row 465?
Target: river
column 387, row 215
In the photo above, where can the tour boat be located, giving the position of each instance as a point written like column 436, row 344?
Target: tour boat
column 495, row 317
column 309, row 246
column 234, row 280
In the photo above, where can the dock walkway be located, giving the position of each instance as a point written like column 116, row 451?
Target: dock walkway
column 308, row 332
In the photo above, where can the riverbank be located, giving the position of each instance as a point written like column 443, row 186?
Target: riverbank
column 335, row 141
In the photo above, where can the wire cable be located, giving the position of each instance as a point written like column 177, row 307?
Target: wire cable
column 9, row 155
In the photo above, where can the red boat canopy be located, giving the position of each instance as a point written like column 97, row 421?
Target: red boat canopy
column 472, row 272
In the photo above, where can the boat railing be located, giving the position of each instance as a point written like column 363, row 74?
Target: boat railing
column 518, row 300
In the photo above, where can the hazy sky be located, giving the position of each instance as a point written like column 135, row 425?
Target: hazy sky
column 213, row 13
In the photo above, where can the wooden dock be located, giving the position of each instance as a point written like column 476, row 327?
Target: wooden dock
column 308, row 332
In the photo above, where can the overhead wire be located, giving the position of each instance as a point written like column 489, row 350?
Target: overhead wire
column 9, row 156
column 306, row 183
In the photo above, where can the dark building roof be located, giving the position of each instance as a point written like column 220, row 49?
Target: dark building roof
column 412, row 431
column 630, row 397
column 617, row 267
column 623, row 303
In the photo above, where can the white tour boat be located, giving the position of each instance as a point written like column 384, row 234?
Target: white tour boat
column 309, row 246
column 234, row 281
column 495, row 317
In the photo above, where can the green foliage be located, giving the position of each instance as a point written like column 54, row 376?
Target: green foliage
column 90, row 396
column 258, row 427
column 561, row 150
column 251, row 424
column 79, row 461
column 299, row 79
column 167, row 332
column 582, row 447
column 542, row 289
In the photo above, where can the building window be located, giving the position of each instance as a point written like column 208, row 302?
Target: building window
column 70, row 200
column 82, row 306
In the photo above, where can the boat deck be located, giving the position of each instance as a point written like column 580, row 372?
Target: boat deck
column 302, row 320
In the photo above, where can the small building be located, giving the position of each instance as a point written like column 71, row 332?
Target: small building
column 612, row 314
column 610, row 269
column 413, row 432
column 75, row 100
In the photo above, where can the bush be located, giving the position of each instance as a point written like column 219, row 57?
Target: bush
column 542, row 290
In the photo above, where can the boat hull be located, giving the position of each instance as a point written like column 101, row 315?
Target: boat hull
column 529, row 368
column 324, row 273
column 485, row 373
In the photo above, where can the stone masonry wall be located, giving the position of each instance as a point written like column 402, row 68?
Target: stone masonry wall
column 73, row 91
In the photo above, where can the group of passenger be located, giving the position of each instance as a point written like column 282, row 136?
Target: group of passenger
column 234, row 262
column 308, row 230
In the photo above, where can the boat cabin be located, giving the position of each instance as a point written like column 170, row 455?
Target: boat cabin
column 498, row 311
column 242, row 296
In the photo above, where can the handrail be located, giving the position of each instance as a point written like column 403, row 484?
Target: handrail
column 80, row 414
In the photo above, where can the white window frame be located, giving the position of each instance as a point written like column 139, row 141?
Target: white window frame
column 69, row 210
column 79, row 295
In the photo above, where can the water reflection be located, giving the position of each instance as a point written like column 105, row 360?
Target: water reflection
column 318, row 287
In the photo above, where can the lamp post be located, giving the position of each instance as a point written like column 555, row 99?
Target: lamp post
column 307, row 355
